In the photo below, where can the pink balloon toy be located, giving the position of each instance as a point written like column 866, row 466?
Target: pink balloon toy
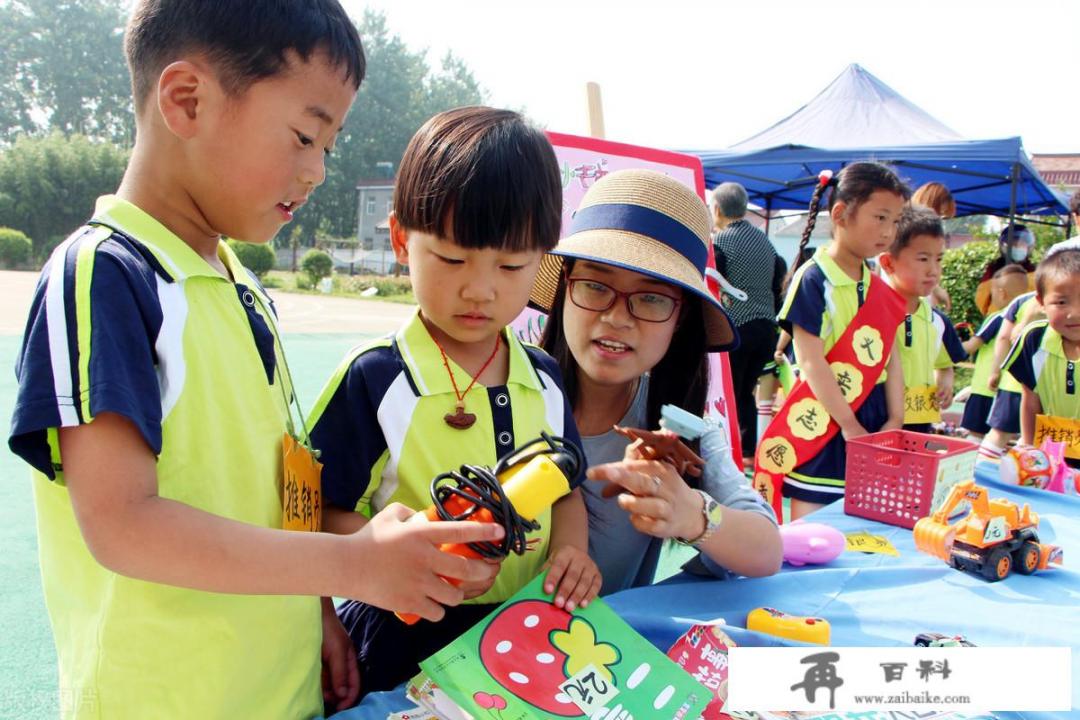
column 811, row 543
column 498, row 702
column 484, row 700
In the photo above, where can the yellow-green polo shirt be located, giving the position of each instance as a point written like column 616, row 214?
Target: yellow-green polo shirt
column 379, row 427
column 927, row 342
column 128, row 319
column 1038, row 362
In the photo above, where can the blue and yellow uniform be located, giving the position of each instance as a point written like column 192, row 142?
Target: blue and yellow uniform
column 1005, row 410
column 927, row 342
column 1039, row 363
column 379, row 426
column 128, row 319
column 977, row 407
column 822, row 300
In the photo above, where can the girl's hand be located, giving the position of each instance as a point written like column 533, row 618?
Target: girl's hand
column 892, row 424
column 659, row 502
column 573, row 577
column 994, row 380
column 477, row 588
column 340, row 674
column 779, row 357
column 854, row 431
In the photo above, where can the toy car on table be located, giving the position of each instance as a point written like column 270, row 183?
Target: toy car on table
column 933, row 639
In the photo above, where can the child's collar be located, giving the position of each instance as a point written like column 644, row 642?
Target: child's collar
column 424, row 362
column 177, row 257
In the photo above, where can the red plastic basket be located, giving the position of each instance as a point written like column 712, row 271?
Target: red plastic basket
column 898, row 476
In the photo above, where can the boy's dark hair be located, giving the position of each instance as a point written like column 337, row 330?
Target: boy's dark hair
column 853, row 185
column 1057, row 264
column 915, row 220
column 680, row 378
column 484, row 177
column 245, row 40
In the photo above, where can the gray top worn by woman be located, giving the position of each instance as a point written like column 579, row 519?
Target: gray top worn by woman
column 628, row 558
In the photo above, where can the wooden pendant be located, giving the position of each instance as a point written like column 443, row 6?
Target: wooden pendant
column 460, row 420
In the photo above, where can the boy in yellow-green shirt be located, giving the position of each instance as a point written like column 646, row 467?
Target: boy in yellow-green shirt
column 153, row 395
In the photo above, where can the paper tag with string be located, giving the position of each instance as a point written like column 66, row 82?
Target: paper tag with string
column 301, row 483
column 301, row 498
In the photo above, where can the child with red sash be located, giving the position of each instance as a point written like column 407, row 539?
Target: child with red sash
column 843, row 321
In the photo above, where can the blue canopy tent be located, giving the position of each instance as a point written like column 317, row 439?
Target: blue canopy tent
column 860, row 118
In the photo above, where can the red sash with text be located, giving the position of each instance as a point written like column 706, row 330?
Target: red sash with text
column 803, row 427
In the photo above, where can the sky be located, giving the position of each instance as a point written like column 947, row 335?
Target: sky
column 705, row 75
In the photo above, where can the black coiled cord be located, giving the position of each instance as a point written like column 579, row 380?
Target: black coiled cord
column 480, row 487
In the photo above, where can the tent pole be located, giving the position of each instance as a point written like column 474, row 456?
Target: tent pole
column 1012, row 199
column 768, row 215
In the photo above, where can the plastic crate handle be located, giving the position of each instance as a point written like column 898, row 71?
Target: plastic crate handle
column 936, row 447
column 889, row 459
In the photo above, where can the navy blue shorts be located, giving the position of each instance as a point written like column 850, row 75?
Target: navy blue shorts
column 926, row 428
column 389, row 652
column 1005, row 412
column 976, row 414
column 831, row 461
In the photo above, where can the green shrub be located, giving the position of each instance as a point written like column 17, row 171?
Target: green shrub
column 15, row 248
column 960, row 273
column 317, row 265
column 259, row 258
column 386, row 285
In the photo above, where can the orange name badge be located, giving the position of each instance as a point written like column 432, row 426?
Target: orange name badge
column 1059, row 429
column 301, row 497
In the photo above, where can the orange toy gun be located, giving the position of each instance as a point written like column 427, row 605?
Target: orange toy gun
column 523, row 484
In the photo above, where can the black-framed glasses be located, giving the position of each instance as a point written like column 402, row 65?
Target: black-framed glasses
column 647, row 305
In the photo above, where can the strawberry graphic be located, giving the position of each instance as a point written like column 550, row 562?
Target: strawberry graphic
column 517, row 650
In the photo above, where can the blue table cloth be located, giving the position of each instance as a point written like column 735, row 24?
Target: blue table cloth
column 872, row 599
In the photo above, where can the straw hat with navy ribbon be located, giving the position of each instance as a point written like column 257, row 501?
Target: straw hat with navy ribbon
column 644, row 221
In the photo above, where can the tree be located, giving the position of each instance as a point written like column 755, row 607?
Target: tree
column 64, row 71
column 961, row 271
column 317, row 264
column 399, row 92
column 14, row 248
column 65, row 64
column 259, row 258
column 48, row 185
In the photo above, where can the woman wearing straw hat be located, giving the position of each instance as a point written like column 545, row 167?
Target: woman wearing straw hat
column 630, row 323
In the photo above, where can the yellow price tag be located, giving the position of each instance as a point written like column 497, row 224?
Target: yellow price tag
column 1059, row 429
column 921, row 405
column 867, row 543
column 301, row 497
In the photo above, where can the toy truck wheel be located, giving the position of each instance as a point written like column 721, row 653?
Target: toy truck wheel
column 1027, row 558
column 998, row 565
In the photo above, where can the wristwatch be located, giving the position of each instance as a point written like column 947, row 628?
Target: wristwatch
column 713, row 513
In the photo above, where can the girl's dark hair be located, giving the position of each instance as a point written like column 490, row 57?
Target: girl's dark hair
column 853, row 186
column 245, row 41
column 681, row 377
column 486, row 176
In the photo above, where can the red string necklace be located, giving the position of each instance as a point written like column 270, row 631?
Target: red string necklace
column 461, row 420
